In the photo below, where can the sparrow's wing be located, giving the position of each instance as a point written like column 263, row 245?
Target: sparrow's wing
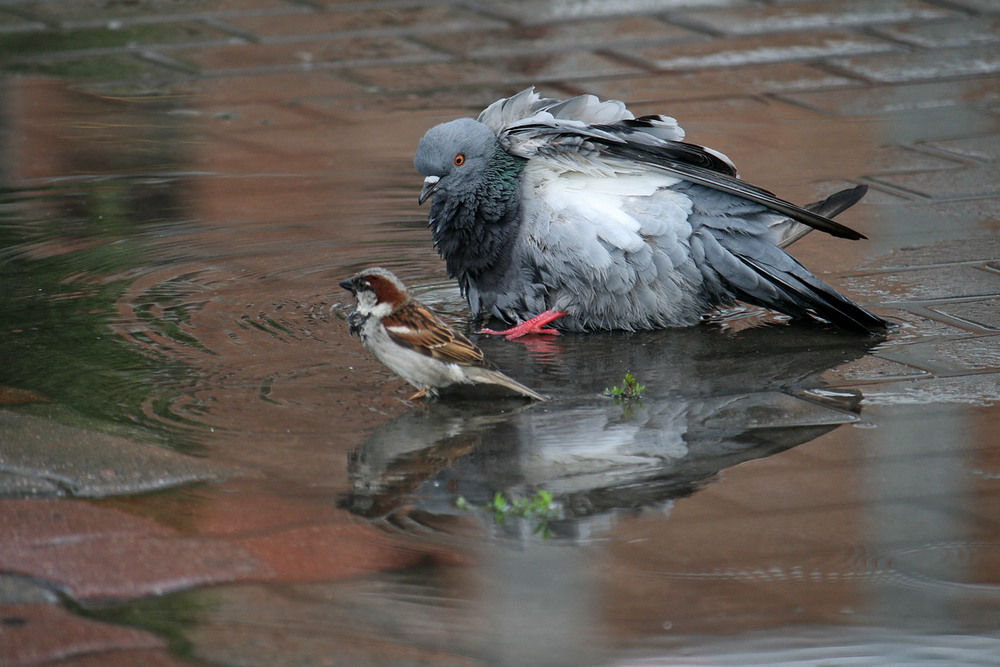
column 416, row 327
column 632, row 146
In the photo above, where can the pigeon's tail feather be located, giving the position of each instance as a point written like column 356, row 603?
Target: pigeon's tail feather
column 838, row 202
column 490, row 376
column 788, row 231
column 801, row 294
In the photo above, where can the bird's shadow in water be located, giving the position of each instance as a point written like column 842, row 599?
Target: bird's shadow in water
column 711, row 401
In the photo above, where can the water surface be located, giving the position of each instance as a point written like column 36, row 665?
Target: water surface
column 777, row 494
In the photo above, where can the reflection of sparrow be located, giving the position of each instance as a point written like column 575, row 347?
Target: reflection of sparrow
column 414, row 342
column 576, row 211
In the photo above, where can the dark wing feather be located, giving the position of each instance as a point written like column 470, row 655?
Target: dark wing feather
column 801, row 294
column 416, row 327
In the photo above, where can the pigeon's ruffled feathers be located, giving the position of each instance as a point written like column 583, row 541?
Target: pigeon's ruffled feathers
column 623, row 225
column 604, row 138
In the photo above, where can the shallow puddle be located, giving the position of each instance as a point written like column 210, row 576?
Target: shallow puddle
column 777, row 494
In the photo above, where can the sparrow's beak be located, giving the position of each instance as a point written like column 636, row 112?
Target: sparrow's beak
column 348, row 284
column 430, row 185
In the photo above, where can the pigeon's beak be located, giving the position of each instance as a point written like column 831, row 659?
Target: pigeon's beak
column 430, row 185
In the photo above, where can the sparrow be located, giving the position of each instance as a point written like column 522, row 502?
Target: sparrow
column 577, row 212
column 414, row 342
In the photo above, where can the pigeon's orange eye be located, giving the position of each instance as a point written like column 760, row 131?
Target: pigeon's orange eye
column 459, row 160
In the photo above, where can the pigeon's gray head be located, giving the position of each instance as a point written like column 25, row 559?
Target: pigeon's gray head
column 453, row 157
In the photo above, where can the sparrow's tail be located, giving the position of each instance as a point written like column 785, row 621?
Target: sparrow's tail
column 490, row 376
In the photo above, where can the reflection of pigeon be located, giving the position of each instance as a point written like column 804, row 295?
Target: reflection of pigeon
column 577, row 210
column 711, row 402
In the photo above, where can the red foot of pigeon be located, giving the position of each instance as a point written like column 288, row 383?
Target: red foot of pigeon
column 533, row 326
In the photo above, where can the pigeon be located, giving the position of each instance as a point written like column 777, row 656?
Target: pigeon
column 578, row 213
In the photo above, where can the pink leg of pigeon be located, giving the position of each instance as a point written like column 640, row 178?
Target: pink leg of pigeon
column 533, row 326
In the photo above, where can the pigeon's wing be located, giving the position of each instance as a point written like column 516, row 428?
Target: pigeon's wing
column 416, row 327
column 612, row 252
column 585, row 108
column 631, row 145
column 749, row 267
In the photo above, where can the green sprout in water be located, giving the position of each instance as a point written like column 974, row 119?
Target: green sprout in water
column 630, row 389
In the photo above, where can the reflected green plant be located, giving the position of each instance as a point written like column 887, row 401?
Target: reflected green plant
column 539, row 507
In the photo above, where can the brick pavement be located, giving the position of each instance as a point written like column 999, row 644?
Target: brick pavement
column 927, row 70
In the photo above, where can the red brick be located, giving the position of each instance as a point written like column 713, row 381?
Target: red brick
column 33, row 634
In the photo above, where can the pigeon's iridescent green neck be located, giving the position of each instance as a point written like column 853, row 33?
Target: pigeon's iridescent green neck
column 499, row 190
column 474, row 231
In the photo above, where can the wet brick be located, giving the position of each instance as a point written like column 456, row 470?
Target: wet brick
column 97, row 13
column 21, row 46
column 68, row 460
column 629, row 32
column 894, row 159
column 930, row 283
column 315, row 553
column 117, row 657
column 427, row 20
column 432, row 76
column 871, row 369
column 113, row 66
column 18, row 590
column 103, row 553
column 984, row 312
column 978, row 244
column 810, row 16
column 985, row 148
column 963, row 355
column 19, row 485
column 566, row 67
column 531, row 12
column 950, row 184
column 275, row 88
column 34, row 634
column 936, row 64
column 945, row 34
column 980, row 389
column 751, row 80
column 342, row 623
column 278, row 56
column 738, row 52
column 95, row 553
column 919, row 97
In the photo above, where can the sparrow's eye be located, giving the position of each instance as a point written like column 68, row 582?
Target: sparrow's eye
column 459, row 160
